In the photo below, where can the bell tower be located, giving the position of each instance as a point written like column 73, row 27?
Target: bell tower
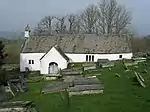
column 27, row 31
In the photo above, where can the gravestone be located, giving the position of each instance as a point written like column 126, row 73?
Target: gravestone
column 86, row 85
column 140, row 79
column 18, row 82
column 72, row 71
column 17, row 106
column 55, row 87
column 22, row 84
column 117, row 75
column 86, row 81
column 12, row 88
column 3, row 96
column 104, row 63
column 88, row 64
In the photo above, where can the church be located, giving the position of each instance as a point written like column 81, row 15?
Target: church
column 50, row 54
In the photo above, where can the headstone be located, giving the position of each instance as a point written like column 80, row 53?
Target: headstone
column 18, row 82
column 13, row 89
column 145, row 71
column 86, row 85
column 78, row 88
column 126, row 67
column 55, row 87
column 135, row 66
column 89, row 64
column 140, row 79
column 86, row 81
column 131, row 64
column 2, row 93
column 117, row 75
column 17, row 106
column 89, row 68
column 102, row 61
column 19, row 86
column 106, row 65
column 71, row 72
column 110, row 69
column 22, row 85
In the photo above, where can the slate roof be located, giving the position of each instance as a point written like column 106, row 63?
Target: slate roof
column 89, row 43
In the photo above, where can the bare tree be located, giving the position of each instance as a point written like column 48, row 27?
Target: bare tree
column 113, row 18
column 122, row 19
column 60, row 24
column 108, row 17
column 45, row 25
column 89, row 19
column 72, row 23
column 38, row 30
column 78, row 24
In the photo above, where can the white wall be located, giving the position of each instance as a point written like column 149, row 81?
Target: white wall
column 26, row 34
column 24, row 61
column 52, row 56
column 82, row 57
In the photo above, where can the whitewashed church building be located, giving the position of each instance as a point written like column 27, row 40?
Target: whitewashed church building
column 48, row 54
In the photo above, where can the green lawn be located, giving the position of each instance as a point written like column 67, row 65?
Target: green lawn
column 120, row 95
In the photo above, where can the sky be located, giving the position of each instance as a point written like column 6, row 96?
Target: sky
column 15, row 14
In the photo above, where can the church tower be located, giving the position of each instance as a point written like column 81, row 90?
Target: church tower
column 27, row 31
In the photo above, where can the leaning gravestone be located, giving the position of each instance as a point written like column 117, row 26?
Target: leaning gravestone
column 18, row 82
column 117, row 75
column 19, row 86
column 140, row 79
column 22, row 84
column 12, row 88
column 2, row 93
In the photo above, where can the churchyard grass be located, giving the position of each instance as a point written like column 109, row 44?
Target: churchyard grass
column 121, row 94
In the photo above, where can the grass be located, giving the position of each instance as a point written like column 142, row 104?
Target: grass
column 13, row 52
column 122, row 94
column 12, row 49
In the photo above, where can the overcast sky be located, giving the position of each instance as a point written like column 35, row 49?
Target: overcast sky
column 15, row 14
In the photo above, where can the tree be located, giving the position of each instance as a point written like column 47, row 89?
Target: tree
column 72, row 23
column 2, row 55
column 45, row 25
column 2, row 61
column 78, row 24
column 60, row 25
column 89, row 19
column 38, row 30
column 113, row 18
column 108, row 17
